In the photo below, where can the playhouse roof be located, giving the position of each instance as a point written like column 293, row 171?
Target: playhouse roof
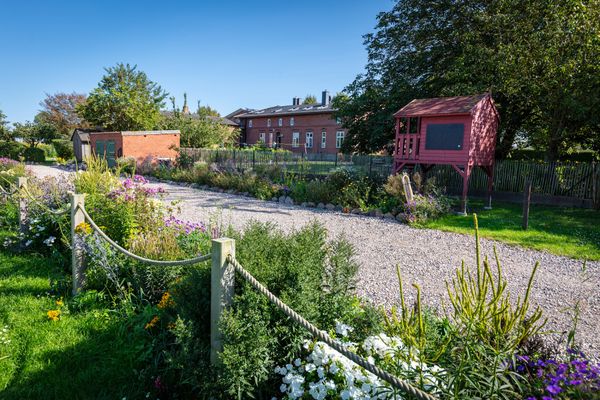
column 440, row 106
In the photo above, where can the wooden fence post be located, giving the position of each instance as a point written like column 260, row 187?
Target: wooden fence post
column 526, row 201
column 77, row 266
column 221, row 291
column 408, row 193
column 22, row 184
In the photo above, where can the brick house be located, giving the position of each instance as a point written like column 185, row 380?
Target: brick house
column 308, row 128
column 144, row 146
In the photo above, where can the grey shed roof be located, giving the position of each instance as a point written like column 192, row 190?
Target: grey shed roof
column 316, row 108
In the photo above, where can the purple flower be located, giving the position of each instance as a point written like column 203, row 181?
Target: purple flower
column 553, row 389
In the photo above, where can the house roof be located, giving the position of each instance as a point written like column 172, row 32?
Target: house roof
column 83, row 133
column 139, row 133
column 316, row 108
column 221, row 120
column 440, row 106
column 237, row 112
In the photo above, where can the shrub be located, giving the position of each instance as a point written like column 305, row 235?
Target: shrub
column 11, row 149
column 34, row 154
column 126, row 165
column 424, row 208
column 63, row 148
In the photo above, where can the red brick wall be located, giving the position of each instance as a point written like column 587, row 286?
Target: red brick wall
column 116, row 136
column 302, row 123
column 142, row 147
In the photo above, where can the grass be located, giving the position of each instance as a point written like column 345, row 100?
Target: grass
column 571, row 232
column 90, row 352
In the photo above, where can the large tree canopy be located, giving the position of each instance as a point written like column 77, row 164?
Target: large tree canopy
column 538, row 58
column 34, row 133
column 125, row 99
column 60, row 111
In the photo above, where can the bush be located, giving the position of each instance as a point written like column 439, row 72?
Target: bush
column 63, row 148
column 11, row 149
column 126, row 165
column 424, row 208
column 34, row 154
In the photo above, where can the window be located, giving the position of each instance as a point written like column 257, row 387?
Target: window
column 414, row 124
column 309, row 140
column 249, row 123
column 269, row 122
column 295, row 139
column 323, row 138
column 292, row 121
column 261, row 137
column 338, row 120
column 339, row 138
column 280, row 122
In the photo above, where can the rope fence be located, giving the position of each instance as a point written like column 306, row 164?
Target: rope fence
column 324, row 337
column 224, row 266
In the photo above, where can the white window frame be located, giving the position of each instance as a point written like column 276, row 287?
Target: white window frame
column 323, row 138
column 249, row 123
column 296, row 139
column 339, row 139
column 269, row 123
column 261, row 137
column 338, row 120
column 280, row 122
column 309, row 139
column 292, row 121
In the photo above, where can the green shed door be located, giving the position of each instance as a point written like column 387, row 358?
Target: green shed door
column 100, row 144
column 110, row 153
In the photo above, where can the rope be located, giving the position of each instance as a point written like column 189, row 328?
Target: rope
column 135, row 256
column 40, row 204
column 324, row 337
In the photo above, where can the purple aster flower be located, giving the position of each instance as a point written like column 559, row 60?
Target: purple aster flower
column 553, row 389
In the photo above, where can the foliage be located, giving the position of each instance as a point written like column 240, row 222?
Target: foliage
column 125, row 99
column 34, row 133
column 34, row 154
column 424, row 208
column 205, row 111
column 524, row 53
column 127, row 165
column 5, row 132
column 309, row 99
column 199, row 132
column 11, row 149
column 64, row 148
column 60, row 111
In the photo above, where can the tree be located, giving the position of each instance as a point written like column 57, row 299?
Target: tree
column 198, row 131
column 60, row 110
column 125, row 99
column 34, row 133
column 207, row 111
column 522, row 52
column 309, row 99
column 5, row 132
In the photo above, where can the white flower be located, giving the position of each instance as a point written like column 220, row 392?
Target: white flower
column 48, row 242
column 27, row 243
column 342, row 329
column 297, row 362
column 283, row 388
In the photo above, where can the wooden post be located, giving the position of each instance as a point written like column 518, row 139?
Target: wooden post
column 526, row 201
column 408, row 193
column 77, row 266
column 221, row 291
column 22, row 184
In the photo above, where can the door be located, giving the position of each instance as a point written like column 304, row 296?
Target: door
column 106, row 150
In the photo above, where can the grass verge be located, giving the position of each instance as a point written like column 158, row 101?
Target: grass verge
column 89, row 352
column 571, row 232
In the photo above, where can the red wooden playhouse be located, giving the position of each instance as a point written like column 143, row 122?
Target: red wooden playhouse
column 457, row 131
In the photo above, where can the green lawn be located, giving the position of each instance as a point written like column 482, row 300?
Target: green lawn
column 88, row 353
column 571, row 232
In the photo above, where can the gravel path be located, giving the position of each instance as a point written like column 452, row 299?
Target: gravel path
column 427, row 257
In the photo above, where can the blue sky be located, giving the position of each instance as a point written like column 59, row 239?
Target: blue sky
column 227, row 54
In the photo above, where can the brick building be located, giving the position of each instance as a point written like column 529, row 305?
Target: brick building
column 309, row 128
column 144, row 146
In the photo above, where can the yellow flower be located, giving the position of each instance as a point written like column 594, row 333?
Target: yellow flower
column 171, row 325
column 166, row 301
column 83, row 228
column 54, row 315
column 59, row 302
column 152, row 323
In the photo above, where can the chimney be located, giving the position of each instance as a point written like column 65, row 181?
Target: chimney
column 296, row 101
column 325, row 98
column 186, row 109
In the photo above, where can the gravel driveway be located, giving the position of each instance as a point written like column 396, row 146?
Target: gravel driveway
column 427, row 257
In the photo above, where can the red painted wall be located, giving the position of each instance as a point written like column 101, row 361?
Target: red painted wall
column 445, row 156
column 302, row 123
column 483, row 144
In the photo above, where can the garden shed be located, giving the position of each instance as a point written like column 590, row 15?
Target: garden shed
column 143, row 146
column 458, row 131
column 81, row 143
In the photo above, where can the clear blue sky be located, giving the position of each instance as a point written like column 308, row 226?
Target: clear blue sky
column 228, row 54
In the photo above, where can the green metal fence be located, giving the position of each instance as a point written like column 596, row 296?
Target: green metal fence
column 577, row 180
